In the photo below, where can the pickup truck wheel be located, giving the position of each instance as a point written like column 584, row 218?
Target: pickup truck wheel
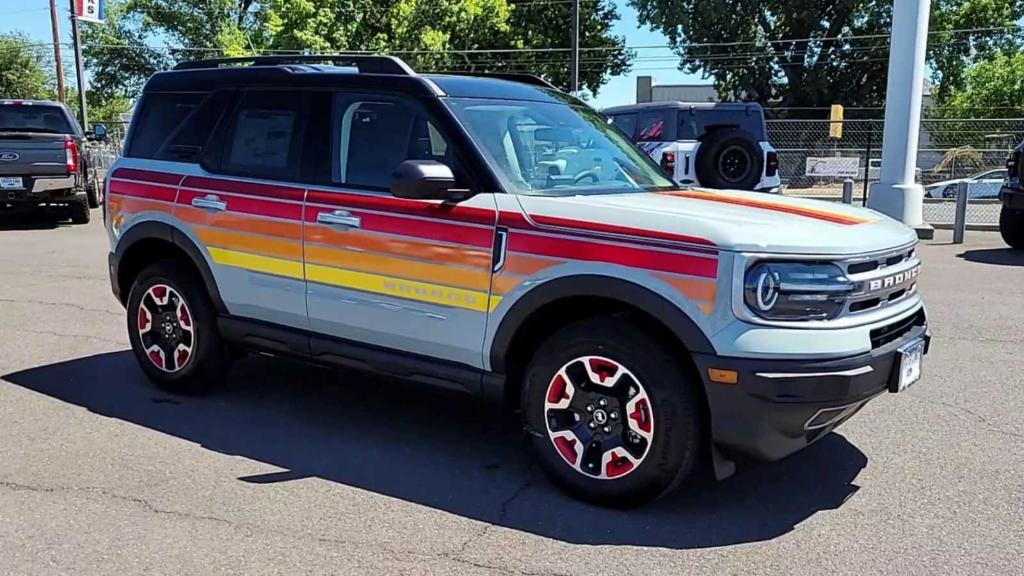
column 614, row 417
column 92, row 193
column 1011, row 227
column 78, row 210
column 172, row 326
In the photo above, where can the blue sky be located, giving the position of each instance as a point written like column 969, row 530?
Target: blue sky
column 33, row 18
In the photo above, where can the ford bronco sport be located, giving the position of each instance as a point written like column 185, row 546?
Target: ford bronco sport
column 500, row 237
column 42, row 160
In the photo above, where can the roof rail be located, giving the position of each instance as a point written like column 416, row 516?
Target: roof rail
column 366, row 63
column 511, row 76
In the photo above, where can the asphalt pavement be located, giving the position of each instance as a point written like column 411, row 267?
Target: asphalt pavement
column 297, row 470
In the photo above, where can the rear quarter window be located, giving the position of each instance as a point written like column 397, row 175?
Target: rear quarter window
column 694, row 124
column 159, row 116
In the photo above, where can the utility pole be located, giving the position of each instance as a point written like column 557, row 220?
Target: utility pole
column 56, row 51
column 574, row 58
column 83, row 116
column 897, row 194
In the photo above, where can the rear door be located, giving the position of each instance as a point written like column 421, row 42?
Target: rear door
column 408, row 275
column 243, row 205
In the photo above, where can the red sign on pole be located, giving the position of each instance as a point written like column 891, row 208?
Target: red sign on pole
column 89, row 10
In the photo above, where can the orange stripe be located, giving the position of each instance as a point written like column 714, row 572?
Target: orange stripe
column 691, row 288
column 253, row 244
column 527, row 265
column 359, row 240
column 250, row 224
column 827, row 216
column 135, row 205
column 422, row 271
column 504, row 283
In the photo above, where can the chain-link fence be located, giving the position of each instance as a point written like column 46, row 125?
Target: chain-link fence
column 102, row 154
column 948, row 150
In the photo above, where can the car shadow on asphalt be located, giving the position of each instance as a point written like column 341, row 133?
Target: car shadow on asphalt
column 441, row 450
column 10, row 220
column 997, row 256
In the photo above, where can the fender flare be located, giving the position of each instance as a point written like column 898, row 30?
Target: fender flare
column 171, row 235
column 684, row 328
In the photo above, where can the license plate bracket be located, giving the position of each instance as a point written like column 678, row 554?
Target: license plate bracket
column 909, row 364
column 11, row 183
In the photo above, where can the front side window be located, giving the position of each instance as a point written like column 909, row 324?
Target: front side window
column 555, row 149
column 373, row 136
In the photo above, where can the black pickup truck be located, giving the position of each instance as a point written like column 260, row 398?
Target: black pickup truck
column 42, row 160
column 1011, row 219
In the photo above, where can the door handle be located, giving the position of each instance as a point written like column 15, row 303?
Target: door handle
column 339, row 218
column 210, row 202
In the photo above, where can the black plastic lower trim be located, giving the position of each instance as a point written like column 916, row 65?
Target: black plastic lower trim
column 319, row 349
column 1013, row 198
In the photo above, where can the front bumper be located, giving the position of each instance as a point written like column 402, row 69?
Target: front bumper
column 777, row 407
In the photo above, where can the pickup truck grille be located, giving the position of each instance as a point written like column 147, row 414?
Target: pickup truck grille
column 882, row 279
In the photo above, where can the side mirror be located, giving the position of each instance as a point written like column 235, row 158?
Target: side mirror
column 98, row 134
column 425, row 180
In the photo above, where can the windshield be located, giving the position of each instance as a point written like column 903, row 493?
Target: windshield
column 28, row 118
column 554, row 149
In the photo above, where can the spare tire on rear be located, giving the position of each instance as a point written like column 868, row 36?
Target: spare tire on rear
column 730, row 158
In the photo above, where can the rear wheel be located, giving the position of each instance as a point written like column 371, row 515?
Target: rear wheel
column 173, row 331
column 78, row 210
column 1011, row 227
column 93, row 192
column 614, row 417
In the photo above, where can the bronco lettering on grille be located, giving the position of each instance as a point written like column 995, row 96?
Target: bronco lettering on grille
column 894, row 280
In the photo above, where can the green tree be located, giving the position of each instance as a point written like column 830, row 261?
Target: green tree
column 993, row 88
column 815, row 53
column 435, row 35
column 22, row 74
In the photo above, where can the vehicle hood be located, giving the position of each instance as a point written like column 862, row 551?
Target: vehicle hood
column 729, row 220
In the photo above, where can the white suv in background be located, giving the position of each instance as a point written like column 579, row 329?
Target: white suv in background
column 714, row 145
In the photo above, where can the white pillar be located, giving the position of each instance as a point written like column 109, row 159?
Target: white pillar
column 896, row 193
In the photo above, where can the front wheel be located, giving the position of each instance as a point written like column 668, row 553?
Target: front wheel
column 172, row 326
column 614, row 417
column 1011, row 227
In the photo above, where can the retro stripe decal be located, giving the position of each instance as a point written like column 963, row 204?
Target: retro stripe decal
column 257, row 263
column 478, row 279
column 817, row 214
column 401, row 288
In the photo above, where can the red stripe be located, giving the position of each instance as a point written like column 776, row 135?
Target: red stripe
column 241, row 187
column 425, row 229
column 624, row 255
column 142, row 190
column 403, row 206
column 250, row 205
column 147, row 176
column 624, row 230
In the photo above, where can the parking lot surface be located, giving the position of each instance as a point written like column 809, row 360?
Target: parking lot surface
column 297, row 470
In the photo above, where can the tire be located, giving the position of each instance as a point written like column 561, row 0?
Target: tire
column 730, row 158
column 667, row 402
column 172, row 326
column 78, row 210
column 1011, row 227
column 92, row 193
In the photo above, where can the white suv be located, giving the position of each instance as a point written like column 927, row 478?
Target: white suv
column 713, row 145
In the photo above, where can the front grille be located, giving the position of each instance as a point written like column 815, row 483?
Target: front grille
column 881, row 279
column 893, row 332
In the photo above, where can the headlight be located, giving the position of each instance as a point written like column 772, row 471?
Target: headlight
column 796, row 291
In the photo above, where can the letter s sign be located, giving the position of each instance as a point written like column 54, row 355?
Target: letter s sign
column 90, row 10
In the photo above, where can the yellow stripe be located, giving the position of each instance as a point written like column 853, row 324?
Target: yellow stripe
column 277, row 266
column 400, row 288
column 387, row 285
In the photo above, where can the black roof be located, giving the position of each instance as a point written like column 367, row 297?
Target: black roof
column 373, row 73
column 754, row 107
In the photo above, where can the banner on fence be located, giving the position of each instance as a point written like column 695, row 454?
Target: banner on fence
column 90, row 10
column 833, row 166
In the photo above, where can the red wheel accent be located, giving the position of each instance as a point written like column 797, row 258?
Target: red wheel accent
column 166, row 328
column 184, row 318
column 158, row 358
column 604, row 369
column 181, row 357
column 567, row 448
column 557, row 391
column 144, row 319
column 618, row 465
column 641, row 415
column 159, row 294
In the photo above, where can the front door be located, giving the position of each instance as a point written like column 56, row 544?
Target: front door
column 407, row 275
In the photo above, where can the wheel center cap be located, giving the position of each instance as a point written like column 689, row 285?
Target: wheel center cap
column 600, row 416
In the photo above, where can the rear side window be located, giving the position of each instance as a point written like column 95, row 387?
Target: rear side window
column 34, row 118
column 693, row 124
column 187, row 142
column 265, row 136
column 626, row 123
column 654, row 126
column 160, row 115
